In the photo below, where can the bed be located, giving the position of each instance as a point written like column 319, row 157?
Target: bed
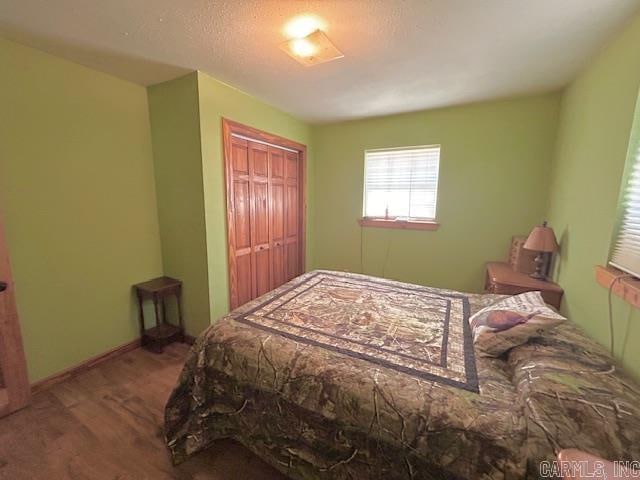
column 345, row 376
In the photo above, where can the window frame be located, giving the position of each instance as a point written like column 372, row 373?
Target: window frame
column 632, row 161
column 616, row 278
column 405, row 223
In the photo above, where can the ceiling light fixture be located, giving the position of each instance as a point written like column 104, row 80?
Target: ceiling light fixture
column 303, row 25
column 302, row 47
column 312, row 49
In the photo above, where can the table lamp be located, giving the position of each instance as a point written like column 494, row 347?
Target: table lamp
column 542, row 240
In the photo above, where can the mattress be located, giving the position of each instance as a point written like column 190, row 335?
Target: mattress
column 339, row 375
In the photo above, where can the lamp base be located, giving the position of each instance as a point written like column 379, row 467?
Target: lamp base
column 541, row 261
column 539, row 276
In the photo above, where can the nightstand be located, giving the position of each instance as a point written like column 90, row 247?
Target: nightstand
column 163, row 333
column 502, row 279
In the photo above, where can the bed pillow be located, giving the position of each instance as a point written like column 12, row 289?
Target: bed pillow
column 511, row 322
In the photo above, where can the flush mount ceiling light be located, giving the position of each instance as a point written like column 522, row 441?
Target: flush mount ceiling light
column 302, row 25
column 313, row 49
column 308, row 44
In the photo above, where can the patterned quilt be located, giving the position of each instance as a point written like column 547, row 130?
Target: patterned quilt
column 426, row 335
column 346, row 376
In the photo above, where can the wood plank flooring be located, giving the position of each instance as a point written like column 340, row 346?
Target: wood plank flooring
column 106, row 424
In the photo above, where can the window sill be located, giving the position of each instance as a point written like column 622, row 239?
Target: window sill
column 400, row 224
column 626, row 288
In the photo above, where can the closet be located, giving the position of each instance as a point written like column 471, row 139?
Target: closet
column 265, row 211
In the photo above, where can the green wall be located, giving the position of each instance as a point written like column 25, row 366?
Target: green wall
column 494, row 169
column 78, row 197
column 595, row 123
column 175, row 132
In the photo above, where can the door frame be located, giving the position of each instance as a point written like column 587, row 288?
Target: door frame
column 229, row 128
column 16, row 392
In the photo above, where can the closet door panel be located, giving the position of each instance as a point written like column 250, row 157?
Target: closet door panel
column 277, row 212
column 259, row 198
column 261, row 214
column 242, row 224
column 279, row 275
column 244, row 279
column 261, row 235
column 277, row 163
column 292, row 216
column 241, row 215
column 279, row 272
column 292, row 165
column 263, row 271
column 240, row 158
column 293, row 267
column 292, row 211
column 259, row 159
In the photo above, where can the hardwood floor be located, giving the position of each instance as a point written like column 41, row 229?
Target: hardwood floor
column 106, row 424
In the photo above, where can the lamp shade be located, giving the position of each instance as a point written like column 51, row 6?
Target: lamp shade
column 541, row 239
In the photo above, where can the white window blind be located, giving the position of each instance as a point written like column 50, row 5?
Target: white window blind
column 401, row 183
column 626, row 249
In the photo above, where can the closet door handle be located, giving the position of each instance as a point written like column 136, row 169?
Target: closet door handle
column 3, row 286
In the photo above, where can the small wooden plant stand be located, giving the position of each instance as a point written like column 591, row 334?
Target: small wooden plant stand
column 163, row 333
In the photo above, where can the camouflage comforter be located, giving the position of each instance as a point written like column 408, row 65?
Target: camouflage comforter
column 343, row 376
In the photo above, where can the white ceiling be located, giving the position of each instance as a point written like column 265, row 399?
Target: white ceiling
column 400, row 55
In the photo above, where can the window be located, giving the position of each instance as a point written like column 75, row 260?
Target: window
column 625, row 254
column 401, row 185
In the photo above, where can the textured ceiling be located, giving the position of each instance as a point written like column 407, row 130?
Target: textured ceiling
column 400, row 55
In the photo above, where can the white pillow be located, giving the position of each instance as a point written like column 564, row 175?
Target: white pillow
column 511, row 322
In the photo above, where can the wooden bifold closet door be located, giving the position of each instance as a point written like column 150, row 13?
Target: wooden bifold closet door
column 265, row 212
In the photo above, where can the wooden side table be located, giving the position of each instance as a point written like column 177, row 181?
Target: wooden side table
column 502, row 279
column 163, row 333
